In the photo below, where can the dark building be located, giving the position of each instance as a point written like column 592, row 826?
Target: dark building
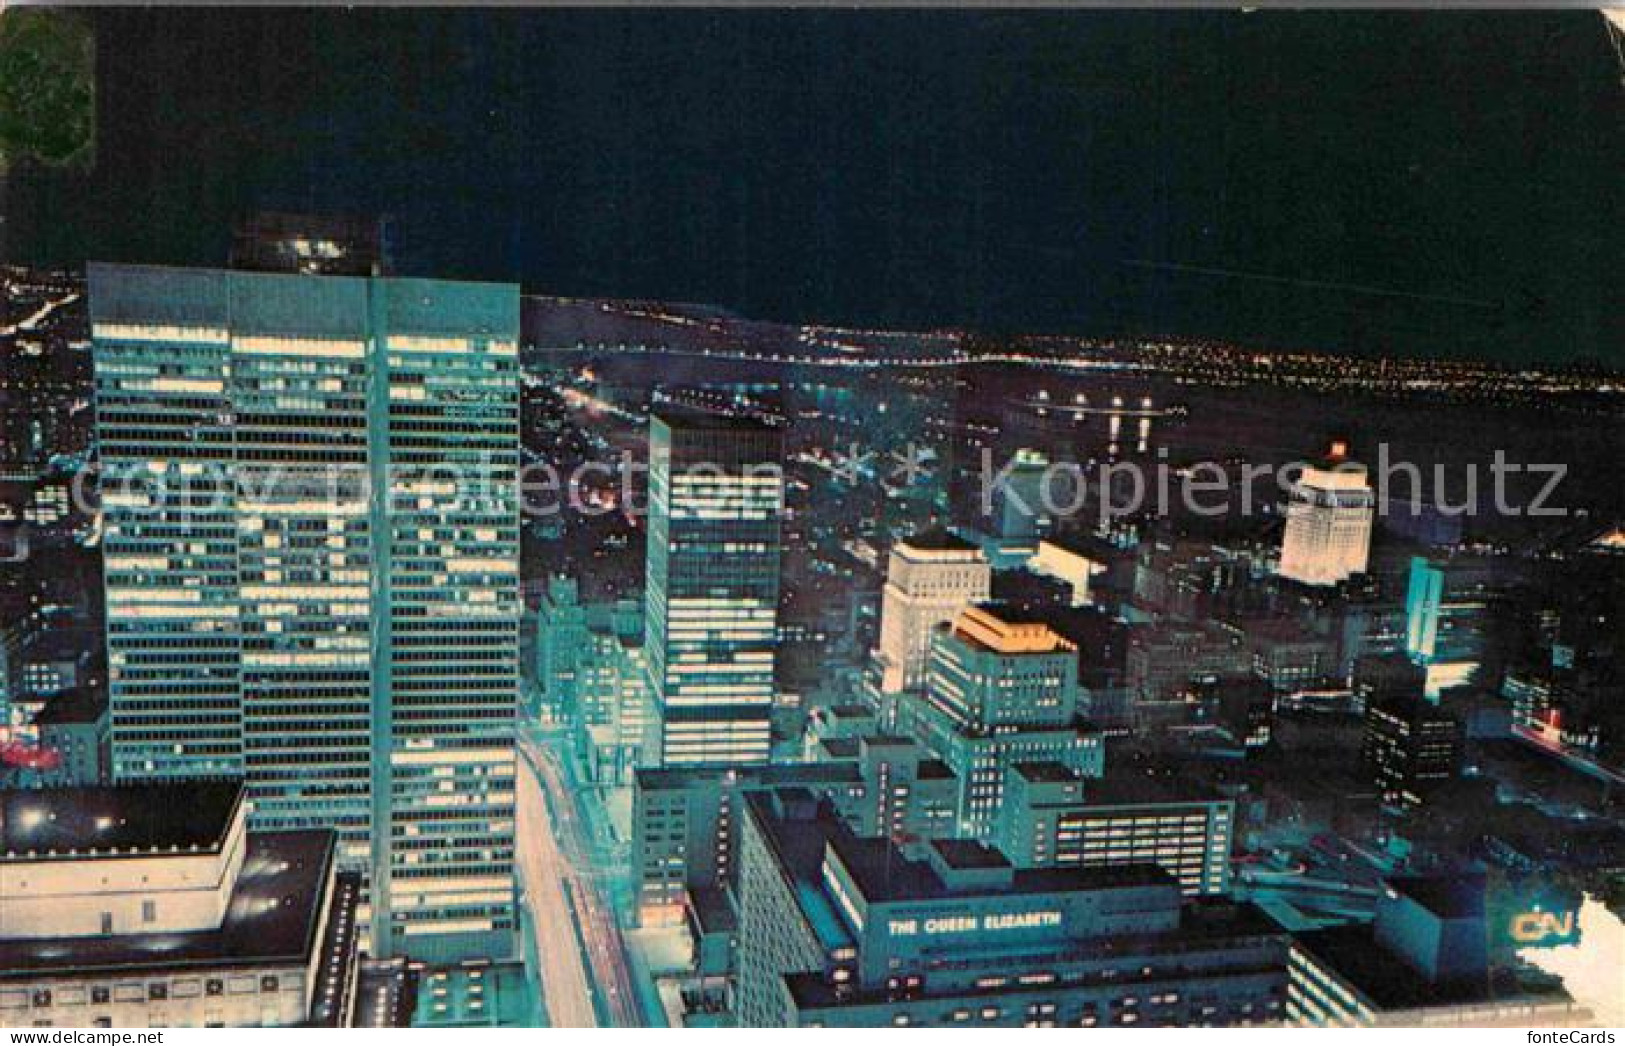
column 1411, row 747
column 1423, row 961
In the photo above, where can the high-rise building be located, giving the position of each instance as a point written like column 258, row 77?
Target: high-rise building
column 1328, row 521
column 311, row 563
column 930, row 578
column 1052, row 817
column 1002, row 689
column 838, row 930
column 716, row 495
column 1411, row 747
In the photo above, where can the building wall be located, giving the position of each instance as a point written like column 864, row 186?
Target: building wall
column 312, row 568
column 715, row 500
column 82, row 897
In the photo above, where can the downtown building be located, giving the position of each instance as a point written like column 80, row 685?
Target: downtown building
column 930, row 579
column 1002, row 689
column 1052, row 817
column 1328, row 522
column 716, row 503
column 311, row 567
column 838, row 930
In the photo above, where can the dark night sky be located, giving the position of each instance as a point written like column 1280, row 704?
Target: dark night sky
column 1004, row 171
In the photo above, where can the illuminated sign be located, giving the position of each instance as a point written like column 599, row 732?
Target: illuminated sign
column 1540, row 927
column 991, row 923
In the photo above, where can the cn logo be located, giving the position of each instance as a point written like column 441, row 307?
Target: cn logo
column 1534, row 927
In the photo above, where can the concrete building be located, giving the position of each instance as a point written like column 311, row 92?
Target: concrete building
column 312, row 557
column 716, row 497
column 836, row 930
column 153, row 905
column 1411, row 746
column 1422, row 962
column 685, row 826
column 1053, row 818
column 1070, row 561
column 1328, row 521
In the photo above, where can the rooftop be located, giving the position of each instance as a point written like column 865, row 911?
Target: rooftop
column 139, row 818
column 677, row 416
column 273, row 918
column 1448, row 897
column 937, row 540
column 1003, row 630
column 1379, row 975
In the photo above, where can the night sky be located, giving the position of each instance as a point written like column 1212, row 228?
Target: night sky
column 1438, row 183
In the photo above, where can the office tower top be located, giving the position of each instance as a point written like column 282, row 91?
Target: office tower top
column 311, row 565
column 275, row 241
column 716, row 496
column 1328, row 521
column 930, row 578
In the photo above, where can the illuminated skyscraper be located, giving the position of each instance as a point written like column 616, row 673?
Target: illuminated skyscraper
column 716, row 493
column 930, row 578
column 1328, row 522
column 311, row 553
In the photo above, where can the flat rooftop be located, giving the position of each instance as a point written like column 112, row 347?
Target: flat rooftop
column 274, row 913
column 938, row 540
column 69, row 823
column 881, row 873
column 652, row 779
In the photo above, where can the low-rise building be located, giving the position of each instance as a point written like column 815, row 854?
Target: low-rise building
column 152, row 905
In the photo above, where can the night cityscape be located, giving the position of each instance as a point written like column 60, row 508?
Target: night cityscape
column 808, row 518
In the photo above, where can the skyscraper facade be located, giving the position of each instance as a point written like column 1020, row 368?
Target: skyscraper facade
column 716, row 495
column 1328, row 522
column 311, row 555
column 930, row 578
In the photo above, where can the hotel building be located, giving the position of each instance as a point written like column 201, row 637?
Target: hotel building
column 836, row 930
column 1328, row 522
column 1002, row 689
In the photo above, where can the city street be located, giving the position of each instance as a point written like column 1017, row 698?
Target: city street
column 586, row 977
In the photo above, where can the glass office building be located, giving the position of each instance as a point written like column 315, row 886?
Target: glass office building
column 311, row 550
column 716, row 495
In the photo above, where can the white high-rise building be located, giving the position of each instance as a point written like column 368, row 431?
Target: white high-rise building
column 930, row 578
column 312, row 556
column 1328, row 522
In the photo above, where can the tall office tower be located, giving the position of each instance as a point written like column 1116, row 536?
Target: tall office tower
column 1002, row 689
column 716, row 496
column 1328, row 521
column 930, row 578
column 311, row 554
